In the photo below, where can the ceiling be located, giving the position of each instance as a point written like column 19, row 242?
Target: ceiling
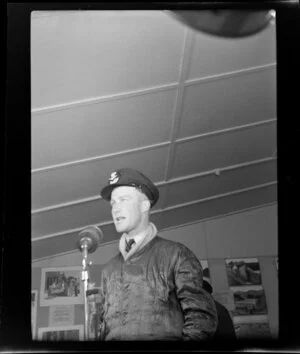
column 111, row 89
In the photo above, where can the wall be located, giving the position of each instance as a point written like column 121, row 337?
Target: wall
column 249, row 234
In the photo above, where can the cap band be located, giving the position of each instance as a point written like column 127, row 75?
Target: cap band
column 133, row 178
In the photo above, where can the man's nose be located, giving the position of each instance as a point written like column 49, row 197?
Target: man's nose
column 115, row 208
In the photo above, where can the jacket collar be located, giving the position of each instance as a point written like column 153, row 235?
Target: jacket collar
column 140, row 241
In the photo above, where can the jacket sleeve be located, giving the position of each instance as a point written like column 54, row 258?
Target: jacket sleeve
column 199, row 310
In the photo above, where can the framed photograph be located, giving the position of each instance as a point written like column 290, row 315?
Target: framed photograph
column 249, row 300
column 252, row 327
column 244, row 271
column 34, row 296
column 67, row 333
column 61, row 286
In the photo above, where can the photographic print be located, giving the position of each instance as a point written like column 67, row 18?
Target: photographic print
column 252, row 327
column 34, row 295
column 244, row 271
column 61, row 286
column 249, row 301
column 67, row 333
column 61, row 315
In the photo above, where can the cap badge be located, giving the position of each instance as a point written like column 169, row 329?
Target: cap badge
column 114, row 177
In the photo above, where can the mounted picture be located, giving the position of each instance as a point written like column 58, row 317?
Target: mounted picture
column 61, row 286
column 67, row 333
column 249, row 300
column 255, row 327
column 244, row 271
column 34, row 295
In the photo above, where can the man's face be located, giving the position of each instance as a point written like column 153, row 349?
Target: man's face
column 126, row 208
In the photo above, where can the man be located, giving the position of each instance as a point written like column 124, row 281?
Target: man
column 152, row 290
column 225, row 329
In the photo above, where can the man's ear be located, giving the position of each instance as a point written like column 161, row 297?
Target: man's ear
column 145, row 205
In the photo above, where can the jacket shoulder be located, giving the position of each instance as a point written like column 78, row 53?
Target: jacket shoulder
column 172, row 245
column 161, row 241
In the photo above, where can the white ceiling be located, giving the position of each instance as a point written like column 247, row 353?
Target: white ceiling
column 112, row 89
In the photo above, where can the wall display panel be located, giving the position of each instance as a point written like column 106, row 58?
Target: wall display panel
column 254, row 327
column 61, row 315
column 67, row 333
column 249, row 300
column 61, row 286
column 245, row 271
column 34, row 300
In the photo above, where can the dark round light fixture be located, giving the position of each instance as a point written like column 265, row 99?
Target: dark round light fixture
column 225, row 23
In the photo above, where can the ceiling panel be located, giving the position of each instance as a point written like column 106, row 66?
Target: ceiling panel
column 230, row 180
column 52, row 246
column 97, row 129
column 219, row 206
column 82, row 54
column 74, row 182
column 77, row 216
column 226, row 149
column 234, row 101
column 213, row 55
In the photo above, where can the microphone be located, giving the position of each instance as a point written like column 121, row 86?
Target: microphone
column 89, row 238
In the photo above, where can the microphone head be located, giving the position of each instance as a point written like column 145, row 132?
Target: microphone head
column 91, row 237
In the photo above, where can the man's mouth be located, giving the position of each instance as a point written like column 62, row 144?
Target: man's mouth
column 119, row 218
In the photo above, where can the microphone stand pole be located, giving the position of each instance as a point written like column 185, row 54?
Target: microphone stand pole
column 84, row 278
column 87, row 243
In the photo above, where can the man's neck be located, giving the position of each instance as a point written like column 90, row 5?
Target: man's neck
column 140, row 231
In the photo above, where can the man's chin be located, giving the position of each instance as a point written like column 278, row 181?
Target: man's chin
column 120, row 229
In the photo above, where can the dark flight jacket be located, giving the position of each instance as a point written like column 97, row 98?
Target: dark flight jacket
column 156, row 294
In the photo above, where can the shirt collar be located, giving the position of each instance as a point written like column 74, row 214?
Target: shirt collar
column 137, row 238
column 140, row 240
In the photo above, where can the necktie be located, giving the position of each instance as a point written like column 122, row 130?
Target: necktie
column 129, row 244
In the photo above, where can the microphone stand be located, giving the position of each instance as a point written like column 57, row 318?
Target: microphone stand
column 87, row 242
column 85, row 279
